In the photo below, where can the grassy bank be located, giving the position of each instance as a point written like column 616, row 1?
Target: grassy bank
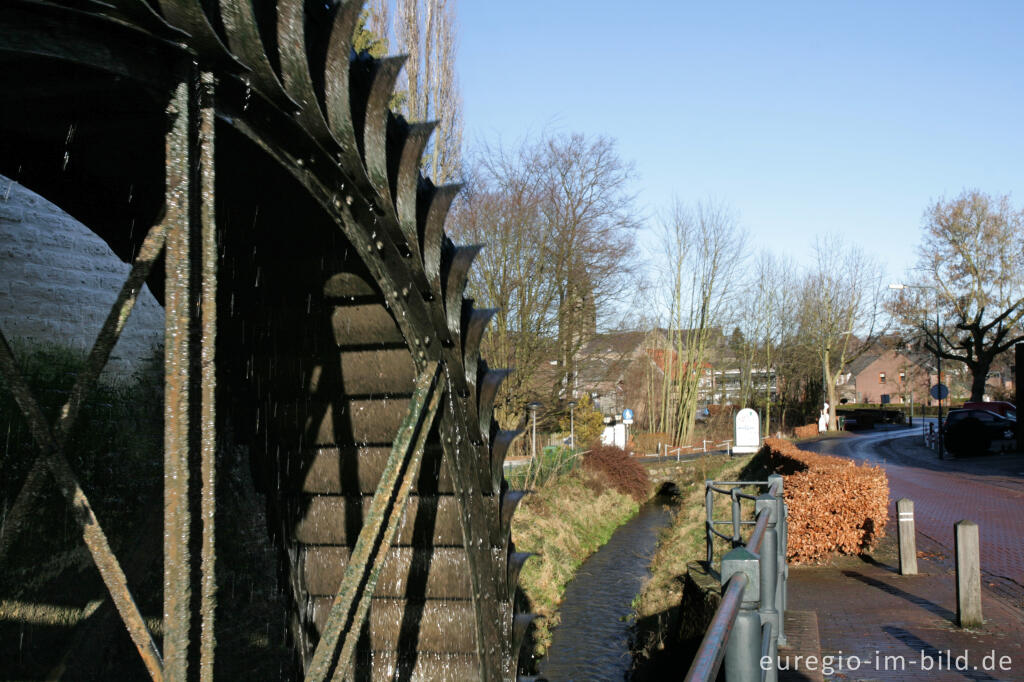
column 656, row 607
column 564, row 522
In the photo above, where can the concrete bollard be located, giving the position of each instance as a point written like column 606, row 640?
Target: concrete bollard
column 907, row 538
column 968, row 574
column 743, row 650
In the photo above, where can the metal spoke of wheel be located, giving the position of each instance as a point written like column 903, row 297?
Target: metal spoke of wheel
column 352, row 603
column 92, row 533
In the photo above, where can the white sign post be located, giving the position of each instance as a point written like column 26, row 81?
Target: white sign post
column 747, row 433
column 627, row 419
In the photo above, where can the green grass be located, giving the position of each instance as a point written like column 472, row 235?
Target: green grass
column 115, row 451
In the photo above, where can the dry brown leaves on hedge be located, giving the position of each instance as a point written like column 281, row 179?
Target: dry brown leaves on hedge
column 807, row 431
column 834, row 505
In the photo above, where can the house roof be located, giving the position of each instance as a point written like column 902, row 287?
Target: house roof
column 614, row 343
column 922, row 360
column 607, row 357
column 862, row 363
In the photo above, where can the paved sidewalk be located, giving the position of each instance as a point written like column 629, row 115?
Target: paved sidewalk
column 893, row 627
column 988, row 490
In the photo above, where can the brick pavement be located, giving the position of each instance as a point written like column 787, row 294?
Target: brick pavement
column 901, row 627
column 988, row 490
column 894, row 627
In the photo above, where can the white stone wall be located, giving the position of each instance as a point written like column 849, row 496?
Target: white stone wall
column 58, row 281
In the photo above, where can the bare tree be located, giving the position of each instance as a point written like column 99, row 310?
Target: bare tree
column 373, row 29
column 764, row 316
column 971, row 259
column 500, row 208
column 589, row 224
column 702, row 251
column 558, row 227
column 840, row 310
column 425, row 30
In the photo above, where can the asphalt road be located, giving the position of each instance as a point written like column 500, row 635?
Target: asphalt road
column 988, row 490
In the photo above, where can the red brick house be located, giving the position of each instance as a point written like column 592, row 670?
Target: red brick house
column 891, row 376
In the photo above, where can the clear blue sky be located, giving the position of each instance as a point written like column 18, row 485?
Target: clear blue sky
column 806, row 118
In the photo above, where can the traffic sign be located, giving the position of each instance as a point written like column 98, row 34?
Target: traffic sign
column 939, row 391
column 627, row 416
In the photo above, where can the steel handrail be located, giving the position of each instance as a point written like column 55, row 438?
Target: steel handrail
column 712, row 648
column 754, row 542
column 734, row 493
column 757, row 624
column 721, row 535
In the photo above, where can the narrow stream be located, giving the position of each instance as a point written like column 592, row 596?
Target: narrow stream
column 592, row 641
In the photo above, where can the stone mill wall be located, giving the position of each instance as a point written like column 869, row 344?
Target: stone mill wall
column 58, row 281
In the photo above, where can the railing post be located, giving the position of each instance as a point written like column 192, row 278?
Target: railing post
column 768, row 566
column 709, row 503
column 782, row 568
column 736, row 518
column 743, row 651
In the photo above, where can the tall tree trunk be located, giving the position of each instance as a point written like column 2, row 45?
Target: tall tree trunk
column 979, row 374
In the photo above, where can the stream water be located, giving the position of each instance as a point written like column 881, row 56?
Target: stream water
column 592, row 641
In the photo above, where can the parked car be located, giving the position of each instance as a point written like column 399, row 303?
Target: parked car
column 1000, row 407
column 972, row 431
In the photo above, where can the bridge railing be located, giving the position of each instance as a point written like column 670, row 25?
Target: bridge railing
column 680, row 450
column 747, row 627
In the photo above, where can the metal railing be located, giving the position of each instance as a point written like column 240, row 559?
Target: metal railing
column 678, row 451
column 747, row 628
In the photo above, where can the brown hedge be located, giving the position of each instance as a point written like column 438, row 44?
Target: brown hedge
column 834, row 505
column 808, row 431
column 624, row 473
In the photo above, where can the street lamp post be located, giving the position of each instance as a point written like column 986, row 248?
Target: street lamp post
column 534, row 406
column 938, row 378
column 572, row 425
column 938, row 352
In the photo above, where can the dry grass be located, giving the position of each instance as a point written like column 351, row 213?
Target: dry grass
column 564, row 522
